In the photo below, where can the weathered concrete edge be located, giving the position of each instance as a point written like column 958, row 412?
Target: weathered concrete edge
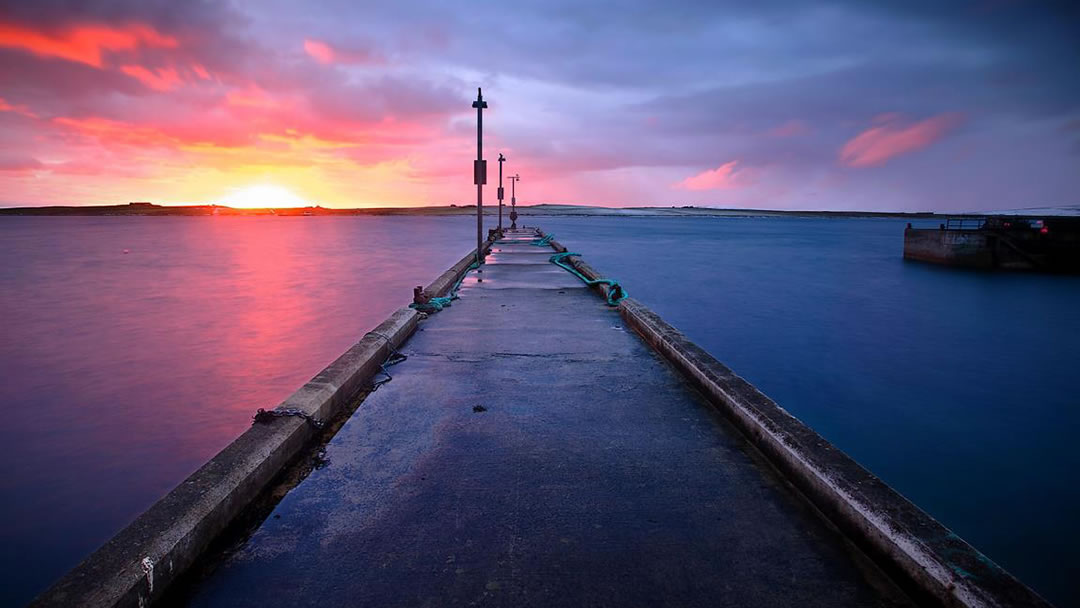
column 925, row 557
column 446, row 281
column 137, row 565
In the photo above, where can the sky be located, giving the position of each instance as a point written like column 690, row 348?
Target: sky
column 889, row 106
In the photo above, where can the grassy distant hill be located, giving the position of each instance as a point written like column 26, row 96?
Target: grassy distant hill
column 492, row 209
column 530, row 210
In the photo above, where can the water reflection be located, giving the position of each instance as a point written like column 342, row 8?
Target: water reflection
column 121, row 373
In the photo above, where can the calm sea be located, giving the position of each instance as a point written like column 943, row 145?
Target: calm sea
column 133, row 349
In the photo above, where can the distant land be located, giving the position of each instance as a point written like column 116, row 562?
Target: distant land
column 142, row 208
column 151, row 209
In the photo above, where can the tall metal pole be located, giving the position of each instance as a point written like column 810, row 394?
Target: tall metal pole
column 501, row 160
column 479, row 176
column 513, row 200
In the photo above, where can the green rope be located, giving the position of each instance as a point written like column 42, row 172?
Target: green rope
column 544, row 242
column 615, row 292
column 438, row 303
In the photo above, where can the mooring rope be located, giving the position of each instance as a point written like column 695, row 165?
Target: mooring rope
column 435, row 304
column 393, row 358
column 615, row 292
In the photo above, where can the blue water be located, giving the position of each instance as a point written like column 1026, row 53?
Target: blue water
column 120, row 373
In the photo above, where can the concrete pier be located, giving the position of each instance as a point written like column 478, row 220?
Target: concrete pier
column 537, row 447
column 533, row 450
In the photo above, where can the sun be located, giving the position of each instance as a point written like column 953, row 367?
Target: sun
column 263, row 195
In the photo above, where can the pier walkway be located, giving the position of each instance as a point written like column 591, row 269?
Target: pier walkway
column 533, row 451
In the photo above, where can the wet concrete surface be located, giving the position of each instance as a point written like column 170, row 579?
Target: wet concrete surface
column 591, row 476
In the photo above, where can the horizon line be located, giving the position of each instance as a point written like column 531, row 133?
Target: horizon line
column 374, row 209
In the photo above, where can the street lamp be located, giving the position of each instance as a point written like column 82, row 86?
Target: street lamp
column 514, row 179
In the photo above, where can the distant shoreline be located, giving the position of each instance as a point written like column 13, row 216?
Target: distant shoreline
column 549, row 210
column 150, row 209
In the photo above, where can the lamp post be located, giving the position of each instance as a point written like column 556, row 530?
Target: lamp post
column 501, row 160
column 514, row 179
column 479, row 177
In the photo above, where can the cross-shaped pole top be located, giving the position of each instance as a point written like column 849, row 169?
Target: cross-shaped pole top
column 479, row 104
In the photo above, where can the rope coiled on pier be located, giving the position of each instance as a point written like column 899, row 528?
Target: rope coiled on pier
column 615, row 292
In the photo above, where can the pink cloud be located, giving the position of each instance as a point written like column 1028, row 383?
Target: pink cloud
column 326, row 54
column 161, row 79
column 723, row 177
column 83, row 43
column 791, row 128
column 320, row 51
column 251, row 97
column 19, row 164
column 18, row 109
column 877, row 145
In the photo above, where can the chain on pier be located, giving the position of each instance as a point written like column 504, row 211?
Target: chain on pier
column 264, row 415
column 393, row 358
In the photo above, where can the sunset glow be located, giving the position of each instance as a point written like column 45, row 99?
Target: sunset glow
column 263, row 195
column 178, row 103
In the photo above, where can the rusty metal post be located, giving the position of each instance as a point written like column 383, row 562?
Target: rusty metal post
column 479, row 176
column 501, row 160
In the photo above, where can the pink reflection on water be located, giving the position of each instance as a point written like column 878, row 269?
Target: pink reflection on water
column 121, row 373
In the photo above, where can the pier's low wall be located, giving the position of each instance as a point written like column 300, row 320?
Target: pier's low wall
column 966, row 248
column 924, row 557
column 136, row 566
